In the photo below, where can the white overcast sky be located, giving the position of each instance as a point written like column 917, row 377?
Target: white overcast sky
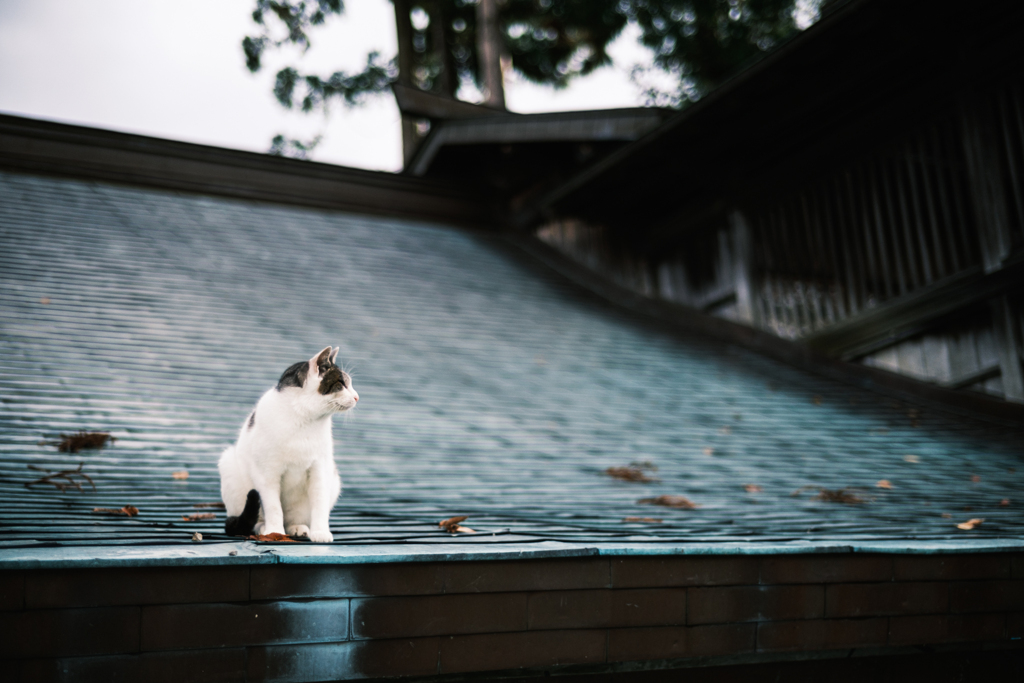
column 175, row 69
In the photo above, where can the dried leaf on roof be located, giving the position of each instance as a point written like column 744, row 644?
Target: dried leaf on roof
column 946, row 515
column 817, row 400
column 275, row 537
column 752, row 488
column 670, row 501
column 181, row 474
column 969, row 524
column 452, row 525
column 1004, row 502
column 643, row 520
column 219, row 506
column 197, row 516
column 628, row 474
column 127, row 511
column 975, row 478
column 843, row 495
column 68, row 477
column 72, row 443
column 708, row 450
column 883, row 484
column 911, row 458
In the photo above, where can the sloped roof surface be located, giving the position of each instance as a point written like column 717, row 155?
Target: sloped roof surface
column 489, row 386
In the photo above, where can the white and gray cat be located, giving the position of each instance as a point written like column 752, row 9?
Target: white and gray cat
column 283, row 460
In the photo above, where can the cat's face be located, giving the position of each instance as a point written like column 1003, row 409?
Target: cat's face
column 320, row 384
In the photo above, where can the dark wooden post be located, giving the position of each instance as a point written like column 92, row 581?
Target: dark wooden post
column 984, row 170
column 447, row 83
column 743, row 253
column 403, row 30
column 488, row 53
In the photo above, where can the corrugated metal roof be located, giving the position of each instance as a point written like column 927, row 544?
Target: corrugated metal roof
column 489, row 386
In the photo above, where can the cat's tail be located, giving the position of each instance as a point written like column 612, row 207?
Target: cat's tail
column 242, row 524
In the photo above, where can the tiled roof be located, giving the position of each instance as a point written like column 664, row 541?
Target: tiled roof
column 490, row 386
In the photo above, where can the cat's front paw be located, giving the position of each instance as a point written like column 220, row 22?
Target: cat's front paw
column 322, row 536
column 298, row 530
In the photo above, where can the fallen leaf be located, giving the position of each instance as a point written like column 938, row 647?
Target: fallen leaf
column 452, row 521
column 44, row 300
column 883, row 484
column 181, row 474
column 643, row 520
column 196, row 517
column 197, row 537
column 838, row 496
column 72, row 443
column 976, row 478
column 911, row 458
column 913, row 413
column 708, row 450
column 127, row 511
column 946, row 515
column 1004, row 502
column 63, row 479
column 670, row 502
column 219, row 506
column 969, row 524
column 726, row 430
column 752, row 488
column 628, row 474
column 452, row 525
column 817, row 400
column 279, row 538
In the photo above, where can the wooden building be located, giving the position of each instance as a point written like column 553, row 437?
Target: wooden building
column 861, row 191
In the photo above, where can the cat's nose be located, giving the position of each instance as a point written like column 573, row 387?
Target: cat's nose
column 356, row 397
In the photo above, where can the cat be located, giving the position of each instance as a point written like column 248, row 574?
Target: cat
column 283, row 461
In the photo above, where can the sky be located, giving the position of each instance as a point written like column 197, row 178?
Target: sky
column 175, row 69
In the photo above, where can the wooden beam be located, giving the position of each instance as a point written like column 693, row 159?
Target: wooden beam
column 884, row 325
column 412, row 100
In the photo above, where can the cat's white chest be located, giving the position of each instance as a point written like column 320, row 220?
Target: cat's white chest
column 285, row 446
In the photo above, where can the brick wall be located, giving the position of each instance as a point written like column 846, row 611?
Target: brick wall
column 303, row 623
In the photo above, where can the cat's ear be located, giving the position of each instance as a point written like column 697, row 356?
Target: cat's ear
column 335, row 354
column 317, row 360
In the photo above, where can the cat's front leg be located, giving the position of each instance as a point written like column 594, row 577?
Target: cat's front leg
column 323, row 492
column 270, row 497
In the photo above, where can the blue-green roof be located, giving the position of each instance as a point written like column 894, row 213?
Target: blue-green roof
column 490, row 386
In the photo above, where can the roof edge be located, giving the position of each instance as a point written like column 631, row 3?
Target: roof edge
column 691, row 320
column 752, row 71
column 50, row 148
column 248, row 553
